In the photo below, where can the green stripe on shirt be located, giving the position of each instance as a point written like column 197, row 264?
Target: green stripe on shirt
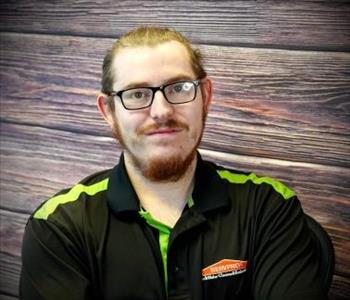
column 72, row 195
column 164, row 234
column 279, row 187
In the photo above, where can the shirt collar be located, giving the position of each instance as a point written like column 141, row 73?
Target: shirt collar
column 121, row 195
column 210, row 192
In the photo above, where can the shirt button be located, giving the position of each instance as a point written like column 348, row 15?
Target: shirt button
column 176, row 269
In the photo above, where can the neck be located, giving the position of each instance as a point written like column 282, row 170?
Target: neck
column 164, row 200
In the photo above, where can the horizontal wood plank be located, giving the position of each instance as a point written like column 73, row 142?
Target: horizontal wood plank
column 340, row 289
column 10, row 266
column 267, row 103
column 297, row 24
column 7, row 297
column 38, row 162
column 282, row 113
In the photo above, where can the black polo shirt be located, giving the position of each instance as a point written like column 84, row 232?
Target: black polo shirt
column 245, row 237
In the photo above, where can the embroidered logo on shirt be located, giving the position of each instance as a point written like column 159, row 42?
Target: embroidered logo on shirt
column 224, row 268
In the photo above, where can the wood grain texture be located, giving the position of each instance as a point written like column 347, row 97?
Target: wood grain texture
column 267, row 103
column 340, row 289
column 11, row 231
column 7, row 297
column 286, row 24
column 10, row 267
column 281, row 102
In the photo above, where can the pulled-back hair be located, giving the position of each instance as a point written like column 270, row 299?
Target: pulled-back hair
column 148, row 36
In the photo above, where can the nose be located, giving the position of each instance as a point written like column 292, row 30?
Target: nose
column 161, row 109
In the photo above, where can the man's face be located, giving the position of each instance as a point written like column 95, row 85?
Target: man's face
column 160, row 140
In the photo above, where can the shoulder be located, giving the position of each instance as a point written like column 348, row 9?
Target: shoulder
column 265, row 199
column 251, row 180
column 73, row 198
column 251, row 192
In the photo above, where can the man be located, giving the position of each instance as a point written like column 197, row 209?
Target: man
column 164, row 224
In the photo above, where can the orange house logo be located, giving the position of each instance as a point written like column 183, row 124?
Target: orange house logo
column 224, row 268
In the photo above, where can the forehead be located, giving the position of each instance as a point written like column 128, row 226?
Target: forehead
column 152, row 65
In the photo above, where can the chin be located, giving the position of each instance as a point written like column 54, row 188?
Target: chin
column 168, row 153
column 164, row 164
column 167, row 167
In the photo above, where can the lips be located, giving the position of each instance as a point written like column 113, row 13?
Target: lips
column 168, row 128
column 163, row 131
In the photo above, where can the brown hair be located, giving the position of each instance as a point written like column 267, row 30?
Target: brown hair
column 148, row 36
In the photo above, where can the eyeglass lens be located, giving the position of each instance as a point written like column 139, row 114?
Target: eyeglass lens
column 176, row 93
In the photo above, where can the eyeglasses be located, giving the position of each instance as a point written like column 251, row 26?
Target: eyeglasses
column 141, row 97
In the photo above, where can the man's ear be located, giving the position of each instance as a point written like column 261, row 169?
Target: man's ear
column 207, row 92
column 103, row 107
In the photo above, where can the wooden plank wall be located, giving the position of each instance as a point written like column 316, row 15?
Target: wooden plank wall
column 281, row 72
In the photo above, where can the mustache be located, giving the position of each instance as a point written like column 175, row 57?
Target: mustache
column 168, row 124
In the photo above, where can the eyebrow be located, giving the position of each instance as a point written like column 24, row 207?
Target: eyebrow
column 146, row 84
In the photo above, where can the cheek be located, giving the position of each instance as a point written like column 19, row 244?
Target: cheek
column 128, row 122
column 197, row 121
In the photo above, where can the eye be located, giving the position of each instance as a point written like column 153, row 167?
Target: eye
column 178, row 87
column 138, row 95
column 182, row 87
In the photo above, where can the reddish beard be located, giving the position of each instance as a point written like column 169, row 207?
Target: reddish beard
column 160, row 168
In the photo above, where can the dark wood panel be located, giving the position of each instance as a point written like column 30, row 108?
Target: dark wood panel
column 296, row 24
column 268, row 103
column 10, row 267
column 11, row 231
column 340, row 289
column 7, row 297
column 38, row 162
column 12, row 228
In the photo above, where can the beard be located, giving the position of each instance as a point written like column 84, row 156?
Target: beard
column 160, row 169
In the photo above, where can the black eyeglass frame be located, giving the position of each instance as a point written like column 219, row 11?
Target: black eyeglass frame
column 161, row 88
